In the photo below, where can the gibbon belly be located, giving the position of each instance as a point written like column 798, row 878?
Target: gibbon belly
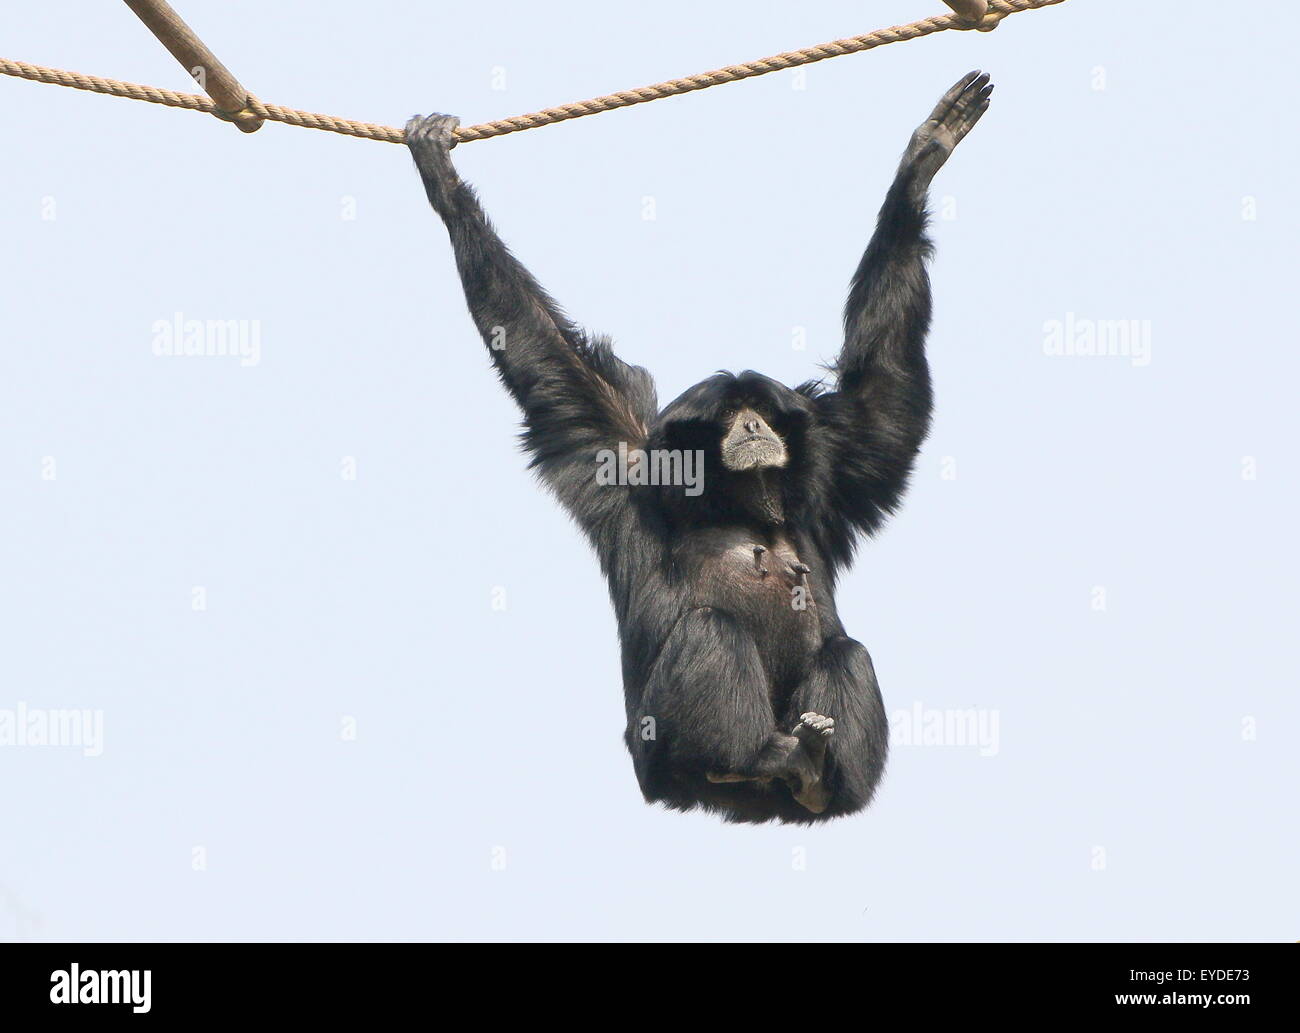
column 763, row 584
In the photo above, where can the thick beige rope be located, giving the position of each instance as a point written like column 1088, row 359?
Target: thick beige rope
column 998, row 9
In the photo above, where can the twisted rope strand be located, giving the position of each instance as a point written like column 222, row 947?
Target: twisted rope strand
column 998, row 9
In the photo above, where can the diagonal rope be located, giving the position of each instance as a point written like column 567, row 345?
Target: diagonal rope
column 998, row 9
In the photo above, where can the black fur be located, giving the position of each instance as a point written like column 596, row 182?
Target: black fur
column 718, row 662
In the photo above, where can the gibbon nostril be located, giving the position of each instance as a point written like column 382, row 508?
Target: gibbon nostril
column 751, row 426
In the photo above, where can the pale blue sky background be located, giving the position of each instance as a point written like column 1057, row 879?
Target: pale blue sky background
column 1125, row 729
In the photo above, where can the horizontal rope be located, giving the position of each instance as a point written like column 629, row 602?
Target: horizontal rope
column 998, row 9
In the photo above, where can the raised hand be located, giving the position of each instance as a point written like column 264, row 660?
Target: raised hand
column 430, row 139
column 432, row 131
column 952, row 118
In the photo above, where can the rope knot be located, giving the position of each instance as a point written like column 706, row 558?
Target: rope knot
column 980, row 15
column 244, row 119
column 986, row 24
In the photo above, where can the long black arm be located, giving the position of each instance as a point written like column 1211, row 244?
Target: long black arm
column 880, row 413
column 576, row 395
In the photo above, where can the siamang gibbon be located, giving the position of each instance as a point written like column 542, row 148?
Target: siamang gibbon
column 744, row 694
